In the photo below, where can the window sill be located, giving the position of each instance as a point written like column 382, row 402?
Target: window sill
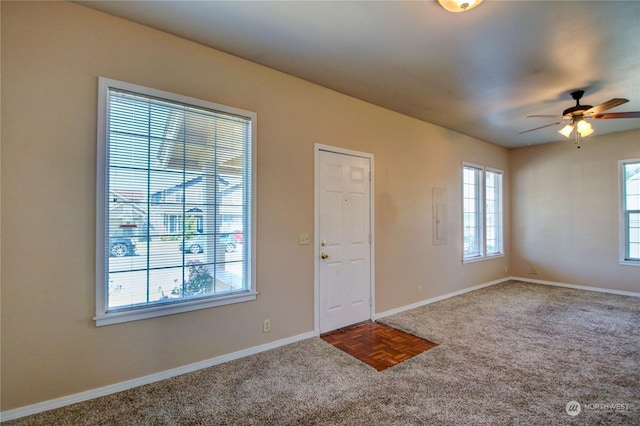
column 630, row 262
column 158, row 311
column 482, row 258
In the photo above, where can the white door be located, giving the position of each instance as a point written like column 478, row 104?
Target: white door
column 344, row 240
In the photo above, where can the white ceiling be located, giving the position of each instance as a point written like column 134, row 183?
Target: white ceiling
column 479, row 73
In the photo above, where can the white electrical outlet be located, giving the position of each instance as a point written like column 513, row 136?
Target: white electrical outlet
column 531, row 270
column 266, row 325
column 419, row 290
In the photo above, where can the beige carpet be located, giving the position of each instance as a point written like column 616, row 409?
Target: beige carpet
column 514, row 353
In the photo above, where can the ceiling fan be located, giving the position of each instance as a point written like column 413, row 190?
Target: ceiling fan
column 575, row 118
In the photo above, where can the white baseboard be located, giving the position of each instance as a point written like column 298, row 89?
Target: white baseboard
column 152, row 378
column 479, row 286
column 438, row 298
column 578, row 287
column 156, row 377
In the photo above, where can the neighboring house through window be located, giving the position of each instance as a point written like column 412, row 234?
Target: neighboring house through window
column 630, row 220
column 174, row 175
column 482, row 212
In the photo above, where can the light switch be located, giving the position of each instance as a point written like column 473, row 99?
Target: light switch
column 304, row 239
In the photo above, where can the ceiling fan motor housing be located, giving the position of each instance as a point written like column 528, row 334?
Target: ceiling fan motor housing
column 578, row 109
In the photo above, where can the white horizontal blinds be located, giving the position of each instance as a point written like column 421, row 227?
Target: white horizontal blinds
column 472, row 218
column 631, row 176
column 179, row 191
column 493, row 212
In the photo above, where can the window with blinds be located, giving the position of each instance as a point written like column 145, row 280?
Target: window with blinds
column 481, row 212
column 175, row 204
column 630, row 241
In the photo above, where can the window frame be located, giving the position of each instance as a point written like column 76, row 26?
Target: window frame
column 103, row 316
column 481, row 213
column 624, row 258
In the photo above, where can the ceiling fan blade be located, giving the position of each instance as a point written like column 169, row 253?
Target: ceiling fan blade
column 631, row 114
column 545, row 116
column 542, row 127
column 606, row 105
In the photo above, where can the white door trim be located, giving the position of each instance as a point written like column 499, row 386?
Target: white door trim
column 316, row 220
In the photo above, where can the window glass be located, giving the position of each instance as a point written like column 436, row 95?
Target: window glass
column 493, row 212
column 631, row 209
column 482, row 212
column 471, row 212
column 177, row 202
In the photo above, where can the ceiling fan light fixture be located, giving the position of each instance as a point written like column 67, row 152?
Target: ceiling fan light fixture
column 459, row 5
column 584, row 128
column 567, row 130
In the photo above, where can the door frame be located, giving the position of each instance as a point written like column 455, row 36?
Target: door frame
column 316, row 226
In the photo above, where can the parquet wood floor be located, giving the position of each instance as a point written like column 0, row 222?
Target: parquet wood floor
column 377, row 344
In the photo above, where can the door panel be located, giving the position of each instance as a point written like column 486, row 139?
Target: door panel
column 344, row 221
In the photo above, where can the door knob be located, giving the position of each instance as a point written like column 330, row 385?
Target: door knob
column 324, row 255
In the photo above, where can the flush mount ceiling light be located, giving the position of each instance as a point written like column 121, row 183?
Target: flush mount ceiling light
column 459, row 5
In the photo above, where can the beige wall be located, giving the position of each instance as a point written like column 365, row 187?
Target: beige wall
column 565, row 212
column 52, row 55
